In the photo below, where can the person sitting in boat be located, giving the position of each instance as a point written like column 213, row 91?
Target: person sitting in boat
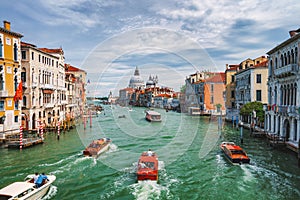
column 150, row 153
column 35, row 177
column 41, row 180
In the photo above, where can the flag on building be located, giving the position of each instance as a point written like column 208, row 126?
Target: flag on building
column 19, row 92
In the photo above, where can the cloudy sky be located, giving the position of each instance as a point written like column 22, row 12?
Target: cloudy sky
column 169, row 38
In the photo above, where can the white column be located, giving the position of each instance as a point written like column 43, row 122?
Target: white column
column 292, row 130
column 281, row 126
column 272, row 123
column 298, row 130
column 276, row 124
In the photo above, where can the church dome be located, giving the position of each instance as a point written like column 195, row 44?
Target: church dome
column 136, row 81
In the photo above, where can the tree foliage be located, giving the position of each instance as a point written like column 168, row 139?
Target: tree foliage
column 183, row 88
column 248, row 108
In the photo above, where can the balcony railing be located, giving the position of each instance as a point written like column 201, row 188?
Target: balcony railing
column 286, row 70
column 3, row 93
column 285, row 110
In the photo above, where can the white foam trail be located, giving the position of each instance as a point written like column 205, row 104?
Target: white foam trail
column 51, row 193
column 147, row 190
column 60, row 161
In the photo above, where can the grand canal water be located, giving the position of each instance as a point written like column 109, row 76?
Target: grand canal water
column 191, row 164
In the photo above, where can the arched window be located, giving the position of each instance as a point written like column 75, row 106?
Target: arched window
column 281, row 96
column 275, row 95
column 271, row 68
column 288, row 58
column 23, row 75
column 281, row 60
column 1, row 53
column 1, row 78
column 295, row 94
column 296, row 55
column 33, row 101
column 269, row 95
column 276, row 63
column 24, row 101
column 16, row 83
column 293, row 56
column 15, row 52
column 285, row 59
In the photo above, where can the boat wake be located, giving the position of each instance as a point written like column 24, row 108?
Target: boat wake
column 67, row 159
column 51, row 193
column 148, row 190
column 151, row 189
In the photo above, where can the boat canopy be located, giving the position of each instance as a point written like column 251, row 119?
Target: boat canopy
column 151, row 112
column 16, row 188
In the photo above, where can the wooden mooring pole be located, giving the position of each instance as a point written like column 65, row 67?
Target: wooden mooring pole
column 299, row 153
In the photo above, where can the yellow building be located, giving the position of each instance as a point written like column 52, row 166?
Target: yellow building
column 239, row 88
column 10, row 62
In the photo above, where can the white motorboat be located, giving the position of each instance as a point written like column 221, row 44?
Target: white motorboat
column 153, row 116
column 26, row 189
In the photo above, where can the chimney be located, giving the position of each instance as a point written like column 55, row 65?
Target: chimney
column 292, row 33
column 6, row 25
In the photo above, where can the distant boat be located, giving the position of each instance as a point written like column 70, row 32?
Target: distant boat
column 26, row 190
column 234, row 153
column 153, row 116
column 97, row 147
column 147, row 167
column 122, row 116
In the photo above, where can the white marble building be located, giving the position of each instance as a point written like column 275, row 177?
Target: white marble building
column 43, row 77
column 282, row 115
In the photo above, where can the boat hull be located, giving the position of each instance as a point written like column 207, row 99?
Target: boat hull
column 153, row 116
column 97, row 147
column 39, row 194
column 235, row 154
column 147, row 167
column 26, row 190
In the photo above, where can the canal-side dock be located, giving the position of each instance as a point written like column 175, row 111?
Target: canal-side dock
column 27, row 142
column 273, row 139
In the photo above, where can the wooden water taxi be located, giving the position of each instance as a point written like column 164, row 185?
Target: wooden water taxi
column 97, row 147
column 234, row 153
column 147, row 167
column 153, row 116
column 26, row 189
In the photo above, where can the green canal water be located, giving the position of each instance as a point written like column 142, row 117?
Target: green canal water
column 190, row 161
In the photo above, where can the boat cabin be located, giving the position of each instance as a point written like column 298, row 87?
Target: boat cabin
column 16, row 190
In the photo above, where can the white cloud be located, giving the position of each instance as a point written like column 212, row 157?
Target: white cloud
column 122, row 35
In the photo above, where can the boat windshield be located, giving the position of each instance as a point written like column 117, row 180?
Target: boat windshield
column 237, row 152
column 148, row 165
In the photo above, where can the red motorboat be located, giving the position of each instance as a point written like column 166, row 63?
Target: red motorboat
column 234, row 153
column 97, row 147
column 147, row 167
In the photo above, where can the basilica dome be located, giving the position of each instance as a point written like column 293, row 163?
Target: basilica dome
column 136, row 81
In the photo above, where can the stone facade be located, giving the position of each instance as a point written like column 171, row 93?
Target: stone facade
column 282, row 115
column 43, row 77
column 10, row 79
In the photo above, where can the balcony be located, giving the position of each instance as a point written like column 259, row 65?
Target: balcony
column 34, row 84
column 286, row 70
column 47, row 86
column 288, row 110
column 24, row 84
column 3, row 93
column 49, row 105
